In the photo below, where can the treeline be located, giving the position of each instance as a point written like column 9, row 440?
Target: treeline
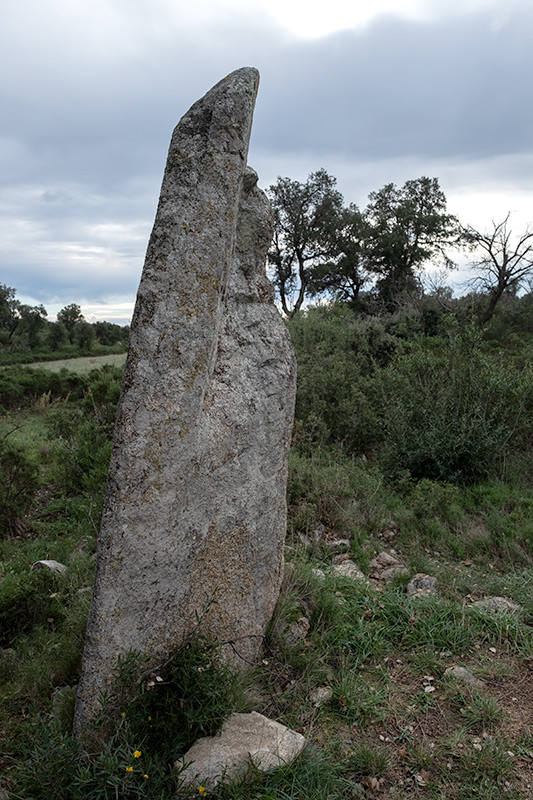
column 373, row 258
column 27, row 335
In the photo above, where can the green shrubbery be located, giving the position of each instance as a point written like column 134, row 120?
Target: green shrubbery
column 149, row 718
column 19, row 482
column 444, row 408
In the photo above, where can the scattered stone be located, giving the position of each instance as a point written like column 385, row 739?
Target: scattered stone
column 245, row 740
column 340, row 557
column 311, row 540
column 348, row 569
column 422, row 584
column 385, row 567
column 465, row 676
column 389, row 532
column 338, row 545
column 383, row 561
column 496, row 604
column 388, row 575
column 320, row 695
column 53, row 566
column 298, row 631
column 319, row 573
column 194, row 520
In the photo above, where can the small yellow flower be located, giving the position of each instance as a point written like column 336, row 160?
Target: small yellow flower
column 123, row 714
column 137, row 754
column 146, row 776
column 149, row 718
column 202, row 791
column 129, row 769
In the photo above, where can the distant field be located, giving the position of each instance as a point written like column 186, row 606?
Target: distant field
column 82, row 365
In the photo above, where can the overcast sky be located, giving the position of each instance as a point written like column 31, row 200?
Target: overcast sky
column 91, row 90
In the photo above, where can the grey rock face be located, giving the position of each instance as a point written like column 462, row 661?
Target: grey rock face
column 245, row 740
column 194, row 518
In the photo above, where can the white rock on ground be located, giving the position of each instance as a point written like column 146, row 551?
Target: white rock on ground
column 245, row 740
column 53, row 566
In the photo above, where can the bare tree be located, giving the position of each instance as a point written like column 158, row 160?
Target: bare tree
column 505, row 261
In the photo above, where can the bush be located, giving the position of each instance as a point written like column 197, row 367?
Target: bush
column 147, row 721
column 338, row 356
column 452, row 416
column 19, row 481
column 26, row 601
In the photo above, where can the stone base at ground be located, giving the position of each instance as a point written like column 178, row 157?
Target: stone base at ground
column 245, row 741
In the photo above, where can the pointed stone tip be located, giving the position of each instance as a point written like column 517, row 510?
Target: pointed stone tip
column 246, row 77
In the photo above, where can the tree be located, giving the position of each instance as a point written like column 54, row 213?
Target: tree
column 56, row 335
column 505, row 261
column 406, row 227
column 85, row 336
column 7, row 301
column 347, row 273
column 306, row 219
column 31, row 321
column 69, row 316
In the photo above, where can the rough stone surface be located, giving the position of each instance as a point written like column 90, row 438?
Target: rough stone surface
column 195, row 514
column 53, row 566
column 496, row 604
column 422, row 584
column 348, row 569
column 465, row 676
column 245, row 740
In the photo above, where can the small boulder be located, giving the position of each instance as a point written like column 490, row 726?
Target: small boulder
column 245, row 740
column 385, row 567
column 320, row 695
column 422, row 584
column 54, row 566
column 298, row 631
column 496, row 604
column 388, row 575
column 465, row 676
column 348, row 569
column 338, row 545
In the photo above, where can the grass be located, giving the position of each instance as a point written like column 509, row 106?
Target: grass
column 391, row 726
column 82, row 365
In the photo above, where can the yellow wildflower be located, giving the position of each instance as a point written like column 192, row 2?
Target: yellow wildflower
column 146, row 776
column 129, row 769
column 137, row 754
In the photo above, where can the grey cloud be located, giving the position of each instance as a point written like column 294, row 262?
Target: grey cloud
column 88, row 114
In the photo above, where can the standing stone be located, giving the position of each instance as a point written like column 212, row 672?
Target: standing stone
column 195, row 514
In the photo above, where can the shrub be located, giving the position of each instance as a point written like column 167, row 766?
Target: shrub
column 338, row 356
column 451, row 416
column 19, row 481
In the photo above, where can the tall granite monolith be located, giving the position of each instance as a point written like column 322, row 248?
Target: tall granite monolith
column 195, row 515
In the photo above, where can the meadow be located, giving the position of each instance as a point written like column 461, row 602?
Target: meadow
column 414, row 445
